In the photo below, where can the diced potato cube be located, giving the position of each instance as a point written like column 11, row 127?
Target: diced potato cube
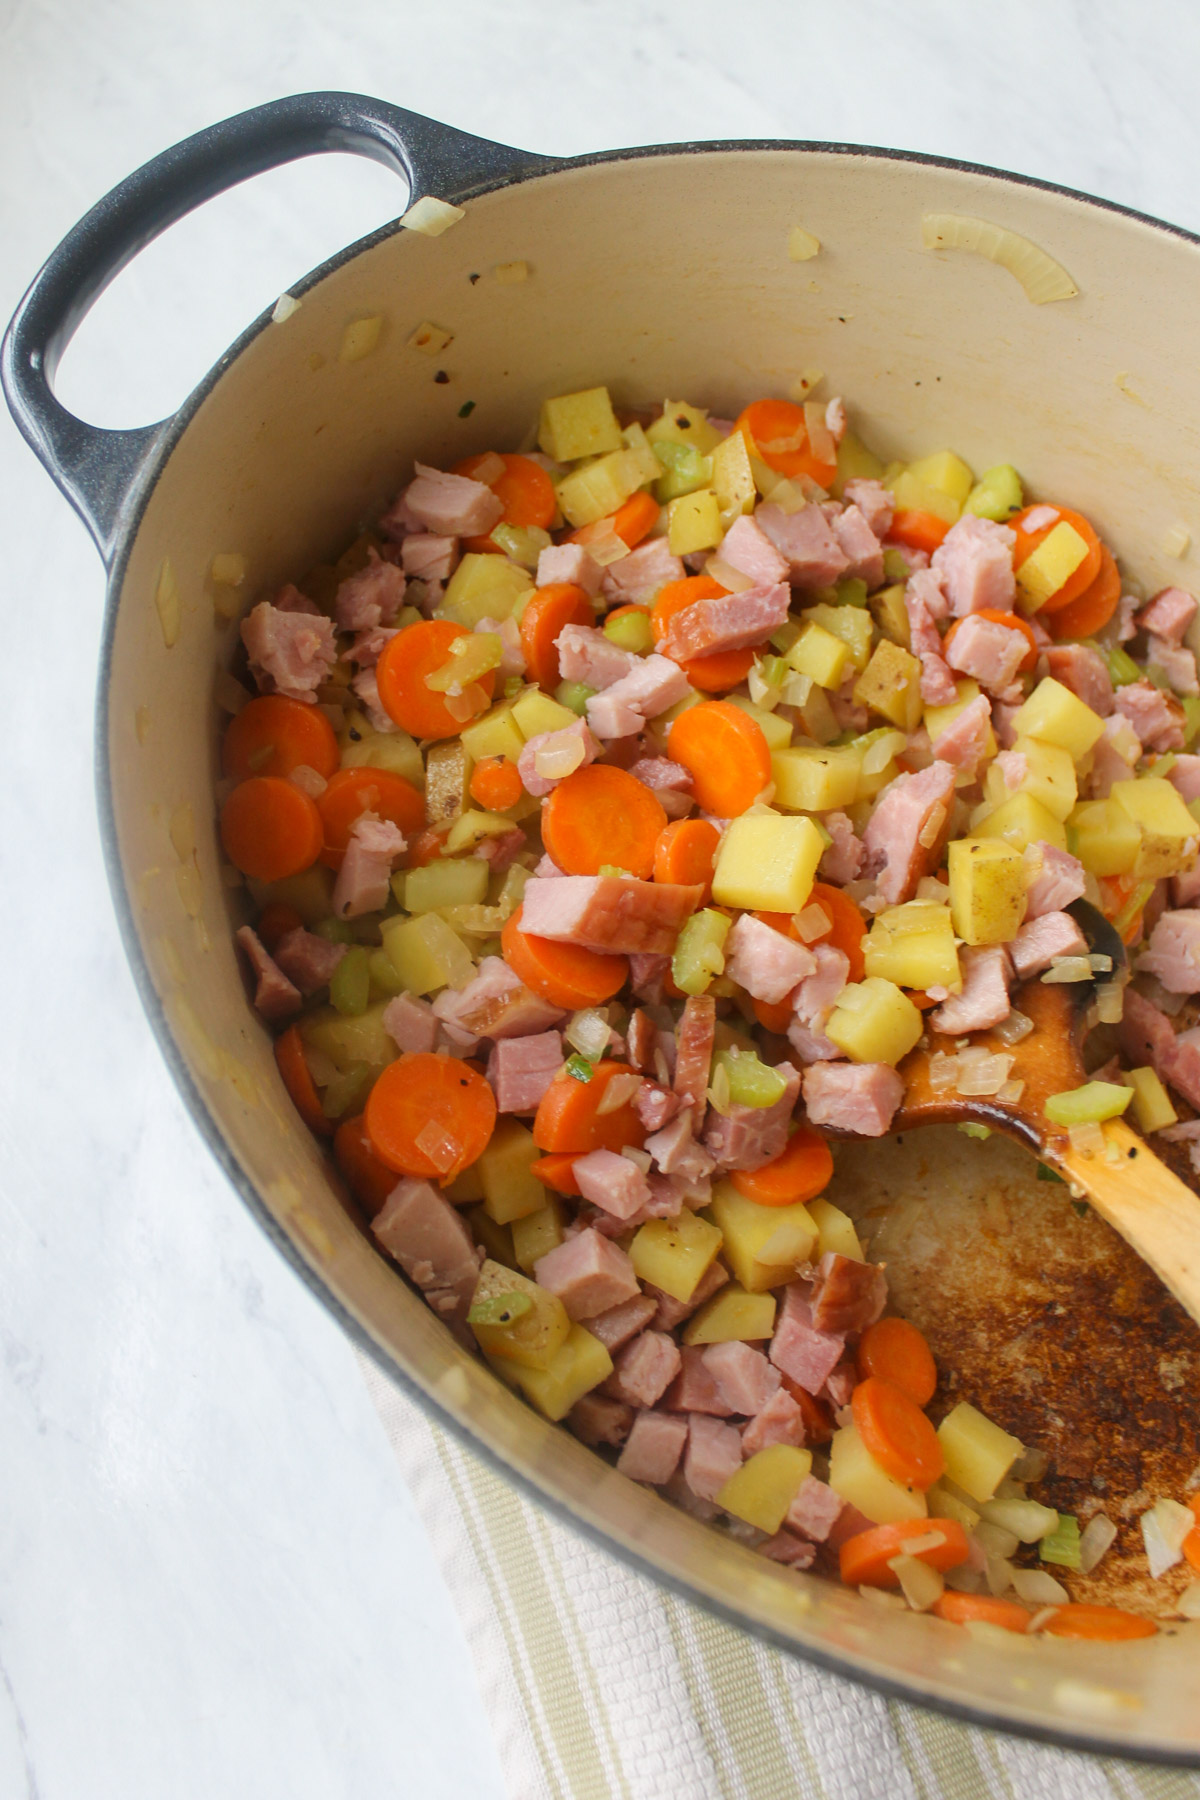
column 427, row 955
column 496, row 733
column 861, row 1482
column 997, row 494
column 680, row 423
column 1152, row 1106
column 873, row 1022
column 891, row 684
column 483, row 587
column 943, row 1504
column 853, row 624
column 835, row 1231
column 598, row 488
column 878, row 750
column 496, row 1239
column 767, row 862
column 535, row 712
column 1053, row 562
column 777, row 731
column 346, row 1040
column 510, row 1190
column 733, row 478
column 946, row 472
column 537, row 1233
column 890, row 614
column 913, row 945
column 854, row 463
column 391, row 750
column 673, row 1254
column 1055, row 715
column 694, row 523
column 473, row 827
column 310, row 893
column 532, row 1338
column 1168, row 830
column 939, row 718
column 447, row 781
column 448, row 881
column 987, row 889
column 764, row 1245
column 733, row 1315
column 819, row 655
column 816, row 780
column 816, row 717
column 575, row 425
column 978, row 1453
column 911, row 494
column 579, row 1365
column 1022, row 820
column 761, row 1491
column 1104, row 837
column 640, row 460
column 1050, row 778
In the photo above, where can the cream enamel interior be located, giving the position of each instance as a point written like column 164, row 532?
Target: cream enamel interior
column 660, row 275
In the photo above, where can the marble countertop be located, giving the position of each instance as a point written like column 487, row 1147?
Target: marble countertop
column 212, row 1579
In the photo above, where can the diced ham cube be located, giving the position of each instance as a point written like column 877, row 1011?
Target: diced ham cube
column 1176, row 663
column 452, row 505
column 373, row 596
column 369, row 646
column 1060, row 880
column 989, row 652
column 693, row 1059
column 1169, row 614
column 646, row 976
column 569, row 738
column 780, row 1421
column 745, row 1379
column 1085, row 672
column 520, row 1069
column 847, row 1525
column 815, row 1510
column 847, row 1295
column 765, row 962
column 1039, row 941
column 730, row 622
column 983, row 1002
column 366, row 689
column 818, row 993
column 587, row 656
column 649, row 689
column 432, row 1245
column 411, row 1022
column 1174, row 952
column 1184, row 774
column 291, row 653
column 974, row 560
column 747, row 548
column 656, row 1106
column 746, row 1137
column 672, row 1312
column 785, row 1547
column 570, row 563
column 695, row 1389
column 636, row 578
column 714, row 1453
column 495, row 1004
column 644, row 1369
column 873, row 501
column 862, row 1098
column 1148, row 1036
column 275, row 997
column 807, row 542
column 676, row 1152
column 428, row 556
column 619, row 1324
column 654, row 1447
column 613, row 1183
column 307, row 960
column 905, row 833
column 614, row 913
column 589, row 1273
column 964, row 741
column 362, row 884
column 799, row 1350
column 1157, row 720
column 842, row 860
column 669, row 781
column 597, row 1419
column 860, row 545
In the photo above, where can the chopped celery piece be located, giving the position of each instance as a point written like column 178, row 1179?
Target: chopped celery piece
column 996, row 495
column 774, row 671
column 1191, row 720
column 574, row 695
column 470, row 657
column 631, row 631
column 1121, row 666
column 851, row 590
column 513, row 685
column 685, row 470
column 700, row 951
column 523, row 543
column 1133, row 906
column 971, row 1130
column 500, row 1309
column 348, row 1089
column 751, row 1082
column 350, row 984
column 335, row 931
column 1062, row 1545
column 614, row 869
column 579, row 1068
column 895, row 565
column 1089, row 1104
column 784, row 636
column 385, row 983
column 1152, row 1106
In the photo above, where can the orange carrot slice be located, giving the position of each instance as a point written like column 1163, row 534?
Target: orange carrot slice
column 430, row 1116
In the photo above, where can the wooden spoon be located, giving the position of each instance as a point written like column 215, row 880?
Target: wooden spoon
column 1129, row 1187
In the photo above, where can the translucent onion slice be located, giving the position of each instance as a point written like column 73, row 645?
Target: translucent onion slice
column 1037, row 1588
column 1041, row 278
column 619, row 1090
column 554, row 761
column 1095, row 1542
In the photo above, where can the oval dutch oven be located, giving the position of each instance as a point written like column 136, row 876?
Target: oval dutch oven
column 661, row 271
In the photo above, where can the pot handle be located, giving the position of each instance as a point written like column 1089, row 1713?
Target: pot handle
column 100, row 471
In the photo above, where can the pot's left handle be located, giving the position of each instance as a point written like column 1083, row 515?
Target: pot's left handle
column 99, row 471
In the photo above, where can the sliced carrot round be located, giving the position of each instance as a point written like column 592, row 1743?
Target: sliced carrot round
column 546, row 612
column 895, row 1351
column 864, row 1558
column 1011, row 622
column 352, row 792
column 270, row 829
column 965, row 1609
column 602, row 815
column 800, row 1172
column 1191, row 1548
column 1090, row 612
column 774, row 1015
column 778, row 433
column 495, row 784
column 524, row 489
column 1027, row 542
column 817, row 1415
column 569, row 1119
column 275, row 921
column 302, row 1092
column 726, row 754
column 557, row 1172
column 847, row 926
column 417, row 651
column 369, row 1180
column 1102, row 1624
column 566, row 975
column 677, row 596
column 430, row 1116
column 274, row 735
column 721, row 669
column 897, row 1433
column 636, row 517
column 686, row 853
column 919, row 530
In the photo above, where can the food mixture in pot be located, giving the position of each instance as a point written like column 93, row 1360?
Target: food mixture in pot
column 617, row 817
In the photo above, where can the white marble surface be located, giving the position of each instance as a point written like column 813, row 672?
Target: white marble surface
column 212, row 1581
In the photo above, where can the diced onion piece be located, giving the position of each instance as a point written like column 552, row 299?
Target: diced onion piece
column 1037, row 1588
column 820, row 437
column 931, row 830
column 943, row 1071
column 796, row 689
column 554, row 761
column 360, row 338
column 166, row 601
column 1068, row 968
column 285, row 306
column 731, row 579
column 489, row 469
column 1040, row 276
column 812, row 923
column 920, row 1584
column 431, row 217
column 802, row 246
column 1110, row 1003
column 1189, row 1601
column 511, row 274
column 718, row 1093
column 1011, row 1092
column 1175, row 541
column 1040, row 1619
column 964, row 1579
column 880, row 753
column 228, row 569
column 607, row 547
column 1025, row 1519
column 587, row 1031
column 883, row 1597
column 464, row 706
column 619, row 1091
column 1100, row 964
column 431, row 339
column 1164, row 1528
column 1000, row 1574
column 1031, row 1465
column 1095, row 1541
column 641, row 1157
column 439, row 1145
column 981, row 1072
column 308, row 780
column 996, row 1539
column 1086, row 1140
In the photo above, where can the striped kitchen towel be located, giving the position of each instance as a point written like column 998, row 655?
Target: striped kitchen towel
column 600, row 1685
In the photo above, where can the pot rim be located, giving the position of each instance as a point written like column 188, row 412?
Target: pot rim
column 168, row 435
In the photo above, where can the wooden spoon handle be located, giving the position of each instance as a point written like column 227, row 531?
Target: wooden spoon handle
column 1151, row 1208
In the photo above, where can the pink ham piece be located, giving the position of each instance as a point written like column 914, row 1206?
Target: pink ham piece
column 780, row 1421
column 654, row 1447
column 672, row 1312
column 646, row 975
column 1157, row 720
column 841, row 860
column 817, row 994
column 307, row 960
column 373, row 596
column 675, row 1151
column 411, row 1023
column 611, row 1182
column 620, row 1324
column 746, row 1137
column 614, row 913
column 362, row 881
column 815, row 1510
column 929, row 588
column 637, row 577
column 983, row 1002
column 597, row 1420
column 695, row 1389
column 763, row 961
column 432, row 1245
column 847, row 1295
column 570, row 563
column 366, row 689
column 964, row 741
column 1148, row 1036
column 550, row 742
column 520, row 1069
column 1040, row 940
column 849, row 1523
column 1174, row 953
column 1176, row 663
column 369, row 646
column 714, row 1453
column 275, row 996
column 1085, row 672
column 1184, row 774
column 669, row 781
column 694, row 1051
column 807, row 543
column 452, row 505
column 747, row 548
column 839, row 1389
column 937, row 683
column 745, row 1379
column 786, row 1548
column 873, row 501
column 988, row 652
column 291, row 652
column 644, row 1369
column 799, row 1350
column 651, row 687
column 589, row 1273
column 641, row 1037
column 496, row 1004
column 974, row 560
column 656, row 1106
column 860, row 1098
column 904, row 834
column 1185, row 889
column 587, row 656
column 860, row 545
column 730, row 622
column 1169, row 614
column 1059, row 880
column 427, row 556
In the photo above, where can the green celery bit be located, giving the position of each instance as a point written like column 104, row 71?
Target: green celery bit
column 751, row 1082
column 470, row 657
column 1045, row 1173
column 1121, row 666
column 975, row 1131
column 513, row 685
column 522, row 543
column 1090, row 1104
column 632, row 631
column 385, row 983
column 489, row 947
column 335, row 931
column 685, row 470
column 1062, row 1546
column 500, row 1309
column 784, row 636
column 851, row 591
column 614, row 869
column 1191, row 720
column 996, row 495
column 895, row 565
column 579, row 1068
column 347, row 1091
column 1159, row 677
column 1133, row 906
column 774, row 670
column 350, row 986
column 575, row 695
column 700, row 951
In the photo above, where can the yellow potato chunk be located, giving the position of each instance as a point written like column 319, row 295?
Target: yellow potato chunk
column 767, row 862
column 873, row 1022
column 1055, row 715
column 987, row 889
column 426, row 953
column 913, row 946
column 496, row 733
column 733, row 1315
column 776, row 730
column 532, row 1338
column 853, row 624
column 579, row 1365
column 911, row 494
column 576, row 425
column 496, row 1239
column 732, row 477
column 1152, row 1106
column 891, row 685
column 819, row 655
column 1169, row 833
column 1049, row 778
column 597, row 488
column 672, row 1254
column 694, row 523
column 510, row 1190
column 978, row 1453
column 1106, row 840
column 346, row 1041
column 761, row 1491
column 391, row 750
column 1022, row 820
column 1054, row 561
column 939, row 718
column 835, row 1231
column 764, row 1245
column 534, row 712
column 680, row 423
column 483, row 587
column 816, row 780
column 859, row 1479
column 889, row 613
column 448, row 881
column 537, row 1233
column 946, row 472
